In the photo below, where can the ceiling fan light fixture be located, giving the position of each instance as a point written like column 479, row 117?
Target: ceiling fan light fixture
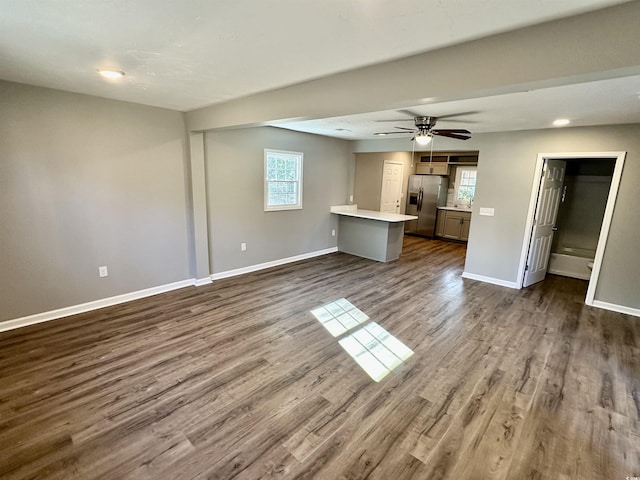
column 112, row 74
column 423, row 139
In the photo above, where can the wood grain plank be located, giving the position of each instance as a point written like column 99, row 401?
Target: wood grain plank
column 238, row 380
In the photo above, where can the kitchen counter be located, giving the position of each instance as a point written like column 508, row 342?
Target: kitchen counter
column 370, row 234
column 456, row 209
column 354, row 211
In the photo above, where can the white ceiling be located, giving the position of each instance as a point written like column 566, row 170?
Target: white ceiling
column 186, row 54
column 604, row 102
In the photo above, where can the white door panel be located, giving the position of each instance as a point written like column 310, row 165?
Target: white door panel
column 392, row 174
column 544, row 221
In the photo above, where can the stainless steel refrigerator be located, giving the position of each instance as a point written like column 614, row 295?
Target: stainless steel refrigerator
column 424, row 195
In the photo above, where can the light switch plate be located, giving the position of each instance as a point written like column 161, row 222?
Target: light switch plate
column 489, row 212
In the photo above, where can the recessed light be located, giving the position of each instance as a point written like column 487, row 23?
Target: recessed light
column 561, row 122
column 111, row 73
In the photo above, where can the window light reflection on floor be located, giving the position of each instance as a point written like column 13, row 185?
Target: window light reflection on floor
column 371, row 346
column 339, row 317
column 375, row 350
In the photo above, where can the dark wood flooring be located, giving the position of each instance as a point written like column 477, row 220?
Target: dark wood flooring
column 238, row 380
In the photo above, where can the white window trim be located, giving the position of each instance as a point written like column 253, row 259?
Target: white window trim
column 275, row 208
column 459, row 171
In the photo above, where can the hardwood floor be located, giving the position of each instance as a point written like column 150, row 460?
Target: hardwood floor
column 238, row 380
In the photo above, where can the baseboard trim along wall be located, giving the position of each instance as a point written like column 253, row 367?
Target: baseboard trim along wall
column 494, row 281
column 202, row 281
column 617, row 308
column 274, row 263
column 96, row 304
column 127, row 297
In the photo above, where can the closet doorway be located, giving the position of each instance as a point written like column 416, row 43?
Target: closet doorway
column 572, row 202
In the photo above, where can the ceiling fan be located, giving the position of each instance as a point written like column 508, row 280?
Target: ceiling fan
column 424, row 129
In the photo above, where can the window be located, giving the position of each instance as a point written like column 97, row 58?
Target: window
column 282, row 180
column 465, row 184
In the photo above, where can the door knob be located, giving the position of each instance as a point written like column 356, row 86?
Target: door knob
column 555, row 229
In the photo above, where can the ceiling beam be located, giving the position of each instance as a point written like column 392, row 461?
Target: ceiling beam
column 593, row 46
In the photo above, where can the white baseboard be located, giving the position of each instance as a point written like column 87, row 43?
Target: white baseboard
column 94, row 305
column 274, row 263
column 127, row 297
column 494, row 281
column 202, row 281
column 617, row 308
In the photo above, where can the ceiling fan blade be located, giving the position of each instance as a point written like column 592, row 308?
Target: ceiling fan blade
column 451, row 135
column 411, row 116
column 397, row 120
column 410, row 113
column 461, row 114
column 405, row 128
column 449, row 130
column 392, row 133
column 455, row 120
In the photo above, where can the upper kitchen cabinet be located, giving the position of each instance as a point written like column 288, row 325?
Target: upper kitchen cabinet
column 433, row 165
column 438, row 163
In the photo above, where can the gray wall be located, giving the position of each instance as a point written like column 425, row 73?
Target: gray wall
column 368, row 178
column 505, row 179
column 86, row 182
column 580, row 215
column 235, row 176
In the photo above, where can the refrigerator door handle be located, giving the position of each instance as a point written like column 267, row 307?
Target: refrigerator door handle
column 420, row 194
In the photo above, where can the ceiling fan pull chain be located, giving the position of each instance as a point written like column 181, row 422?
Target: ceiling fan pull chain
column 413, row 151
column 431, row 152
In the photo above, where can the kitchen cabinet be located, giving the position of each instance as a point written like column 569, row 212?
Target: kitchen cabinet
column 433, row 169
column 439, row 163
column 436, row 165
column 453, row 224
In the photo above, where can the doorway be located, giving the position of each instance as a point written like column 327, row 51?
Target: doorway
column 390, row 196
column 563, row 234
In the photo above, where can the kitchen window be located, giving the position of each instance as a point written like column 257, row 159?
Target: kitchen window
column 282, row 180
column 465, row 184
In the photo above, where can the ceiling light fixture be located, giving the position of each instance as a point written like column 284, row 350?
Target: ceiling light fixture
column 561, row 122
column 380, row 134
column 111, row 73
column 423, row 138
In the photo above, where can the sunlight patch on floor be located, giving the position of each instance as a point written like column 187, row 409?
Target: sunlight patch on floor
column 339, row 317
column 375, row 350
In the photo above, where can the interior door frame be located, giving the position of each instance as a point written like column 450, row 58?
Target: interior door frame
column 619, row 158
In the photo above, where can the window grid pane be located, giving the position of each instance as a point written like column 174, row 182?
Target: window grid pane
column 467, row 186
column 283, row 180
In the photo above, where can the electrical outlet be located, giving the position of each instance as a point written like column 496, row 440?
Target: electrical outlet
column 351, row 198
column 333, row 233
column 243, row 247
column 103, row 272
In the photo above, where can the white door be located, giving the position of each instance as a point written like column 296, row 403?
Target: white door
column 544, row 221
column 390, row 197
